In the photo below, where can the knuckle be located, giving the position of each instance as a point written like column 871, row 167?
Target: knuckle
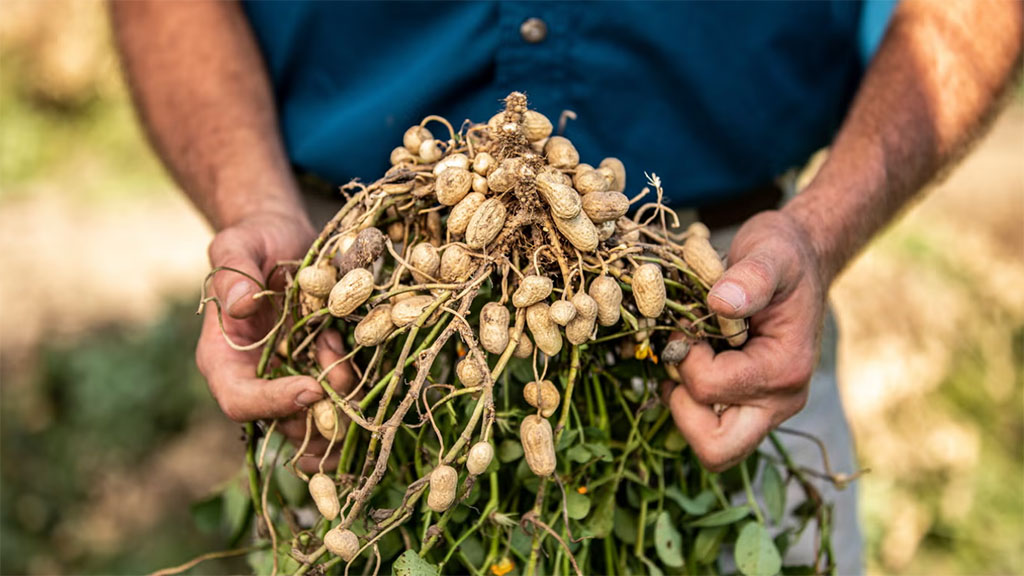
column 760, row 270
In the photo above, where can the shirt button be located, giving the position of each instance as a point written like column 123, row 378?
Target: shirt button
column 533, row 30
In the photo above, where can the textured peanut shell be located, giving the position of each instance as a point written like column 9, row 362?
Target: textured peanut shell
column 457, row 160
column 375, row 327
column 504, row 177
column 538, row 445
column 562, row 312
column 494, row 318
column 608, row 296
column 524, row 348
column 407, row 311
column 618, row 170
column 367, row 247
column 580, row 231
column 429, row 151
column 486, row 223
column 582, row 326
column 325, row 495
column 545, row 332
column 735, row 331
column 342, row 543
column 605, row 230
column 480, row 184
column 627, row 230
column 561, row 153
column 414, row 137
column 698, row 229
column 452, row 185
column 326, row 419
column 536, row 126
column 543, row 396
column 456, row 264
column 605, row 206
column 350, row 292
column 649, row 290
column 532, row 289
column 561, row 198
column 401, row 155
column 675, row 352
column 396, row 231
column 483, row 163
column 479, row 458
column 444, row 481
column 469, row 372
column 426, row 262
column 702, row 258
column 462, row 213
column 590, row 181
column 317, row 280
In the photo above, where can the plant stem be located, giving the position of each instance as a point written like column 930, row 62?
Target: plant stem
column 749, row 489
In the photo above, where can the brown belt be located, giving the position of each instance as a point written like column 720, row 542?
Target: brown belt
column 737, row 209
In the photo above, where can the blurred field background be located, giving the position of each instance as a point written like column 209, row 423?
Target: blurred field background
column 110, row 442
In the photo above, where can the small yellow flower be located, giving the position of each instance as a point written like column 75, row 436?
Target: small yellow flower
column 644, row 351
column 582, row 490
column 504, row 566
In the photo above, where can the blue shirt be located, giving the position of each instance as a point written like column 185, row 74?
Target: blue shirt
column 713, row 97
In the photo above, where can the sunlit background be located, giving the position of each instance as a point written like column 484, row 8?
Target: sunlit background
column 111, row 444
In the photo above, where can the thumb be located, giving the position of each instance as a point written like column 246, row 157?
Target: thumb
column 232, row 249
column 745, row 288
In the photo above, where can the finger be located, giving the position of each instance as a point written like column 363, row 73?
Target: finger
column 235, row 250
column 243, row 396
column 746, row 287
column 330, row 349
column 311, row 464
column 718, row 442
column 762, row 368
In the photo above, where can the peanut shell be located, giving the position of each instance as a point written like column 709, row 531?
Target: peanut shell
column 702, row 258
column 429, row 151
column 579, row 230
column 317, row 280
column 452, row 185
column 562, row 312
column 483, row 163
column 342, row 543
column 735, row 331
column 532, row 289
column 365, row 249
column 524, row 348
column 543, row 396
column 456, row 264
column 561, row 198
column 605, row 206
column 675, row 352
column 485, row 224
column 401, row 155
column 561, row 153
column 326, row 419
column 536, row 126
column 590, row 181
column 407, row 311
column 425, row 261
column 325, row 495
column 479, row 458
column 582, row 326
column 469, row 372
column 375, row 327
column 460, row 215
column 494, row 318
column 545, row 332
column 618, row 170
column 457, row 160
column 350, row 292
column 538, row 445
column 414, row 137
column 649, row 290
column 444, row 481
column 505, row 176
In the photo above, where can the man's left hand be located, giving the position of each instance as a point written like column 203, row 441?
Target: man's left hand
column 776, row 280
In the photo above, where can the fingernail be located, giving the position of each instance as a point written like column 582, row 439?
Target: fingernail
column 307, row 398
column 731, row 294
column 236, row 293
column 334, row 343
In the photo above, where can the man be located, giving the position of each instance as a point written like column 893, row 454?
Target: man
column 717, row 99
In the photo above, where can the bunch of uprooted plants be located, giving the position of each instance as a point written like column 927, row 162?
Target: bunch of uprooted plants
column 510, row 313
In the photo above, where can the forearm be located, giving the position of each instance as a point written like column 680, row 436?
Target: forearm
column 202, row 92
column 937, row 77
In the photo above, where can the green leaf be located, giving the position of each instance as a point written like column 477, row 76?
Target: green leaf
column 578, row 454
column 509, row 451
column 625, row 525
column 601, row 521
column 410, row 564
column 755, row 552
column 236, row 508
column 668, row 542
column 674, row 441
column 722, row 517
column 567, row 439
column 577, row 504
column 208, row 514
column 697, row 506
column 600, row 451
column 707, row 543
column 774, row 490
column 520, row 369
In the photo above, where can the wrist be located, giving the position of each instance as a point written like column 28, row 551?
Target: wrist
column 237, row 201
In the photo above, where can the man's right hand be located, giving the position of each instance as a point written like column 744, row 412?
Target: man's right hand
column 254, row 245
